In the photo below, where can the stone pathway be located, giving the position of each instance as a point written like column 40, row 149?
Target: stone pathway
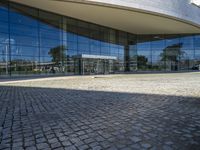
column 34, row 116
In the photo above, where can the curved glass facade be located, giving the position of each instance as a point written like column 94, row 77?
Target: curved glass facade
column 35, row 42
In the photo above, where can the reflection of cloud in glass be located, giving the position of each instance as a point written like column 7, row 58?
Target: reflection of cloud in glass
column 196, row 2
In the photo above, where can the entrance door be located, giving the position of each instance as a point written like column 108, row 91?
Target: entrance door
column 96, row 66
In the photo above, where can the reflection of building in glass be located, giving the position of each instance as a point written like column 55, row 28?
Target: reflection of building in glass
column 33, row 41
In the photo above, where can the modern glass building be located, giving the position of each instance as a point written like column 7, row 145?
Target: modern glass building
column 38, row 40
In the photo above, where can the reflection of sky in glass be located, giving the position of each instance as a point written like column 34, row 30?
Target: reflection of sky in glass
column 32, row 38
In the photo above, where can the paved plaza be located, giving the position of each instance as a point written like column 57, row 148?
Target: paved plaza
column 125, row 112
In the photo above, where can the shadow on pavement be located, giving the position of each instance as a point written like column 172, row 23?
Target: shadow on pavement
column 76, row 119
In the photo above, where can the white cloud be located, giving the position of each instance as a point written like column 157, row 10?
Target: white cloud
column 196, row 2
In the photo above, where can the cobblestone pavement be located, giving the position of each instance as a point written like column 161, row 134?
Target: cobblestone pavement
column 157, row 112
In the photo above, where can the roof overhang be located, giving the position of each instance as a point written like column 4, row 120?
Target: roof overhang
column 133, row 21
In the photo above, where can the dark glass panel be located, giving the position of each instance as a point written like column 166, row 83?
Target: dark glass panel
column 3, row 12
column 50, row 18
column 71, row 21
column 122, row 38
column 95, row 34
column 113, row 36
column 105, row 34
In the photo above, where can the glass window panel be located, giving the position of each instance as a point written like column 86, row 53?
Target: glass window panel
column 82, row 47
column 3, row 12
column 24, row 65
column 4, row 38
column 114, row 50
column 82, row 39
column 23, row 15
column 142, row 46
column 144, row 52
column 197, row 52
column 95, row 42
column 187, row 42
column 50, row 18
column 72, row 37
column 3, row 27
column 72, row 45
column 121, row 49
column 172, row 40
column 197, row 41
column 24, row 40
column 95, row 34
column 50, row 43
column 23, row 30
column 156, row 52
column 82, row 24
column 105, row 44
column 44, row 51
column 158, row 44
column 156, row 58
column 3, row 65
column 71, row 53
column 95, row 48
column 105, row 50
column 95, row 51
column 24, row 50
column 51, row 34
column 105, row 32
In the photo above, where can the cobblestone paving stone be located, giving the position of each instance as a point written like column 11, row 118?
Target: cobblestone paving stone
column 111, row 112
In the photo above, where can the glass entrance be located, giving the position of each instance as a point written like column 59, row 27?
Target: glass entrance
column 96, row 66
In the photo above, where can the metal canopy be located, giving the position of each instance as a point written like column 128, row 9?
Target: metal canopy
column 87, row 56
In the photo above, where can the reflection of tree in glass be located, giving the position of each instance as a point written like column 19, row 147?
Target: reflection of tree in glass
column 58, row 54
column 142, row 61
column 172, row 53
